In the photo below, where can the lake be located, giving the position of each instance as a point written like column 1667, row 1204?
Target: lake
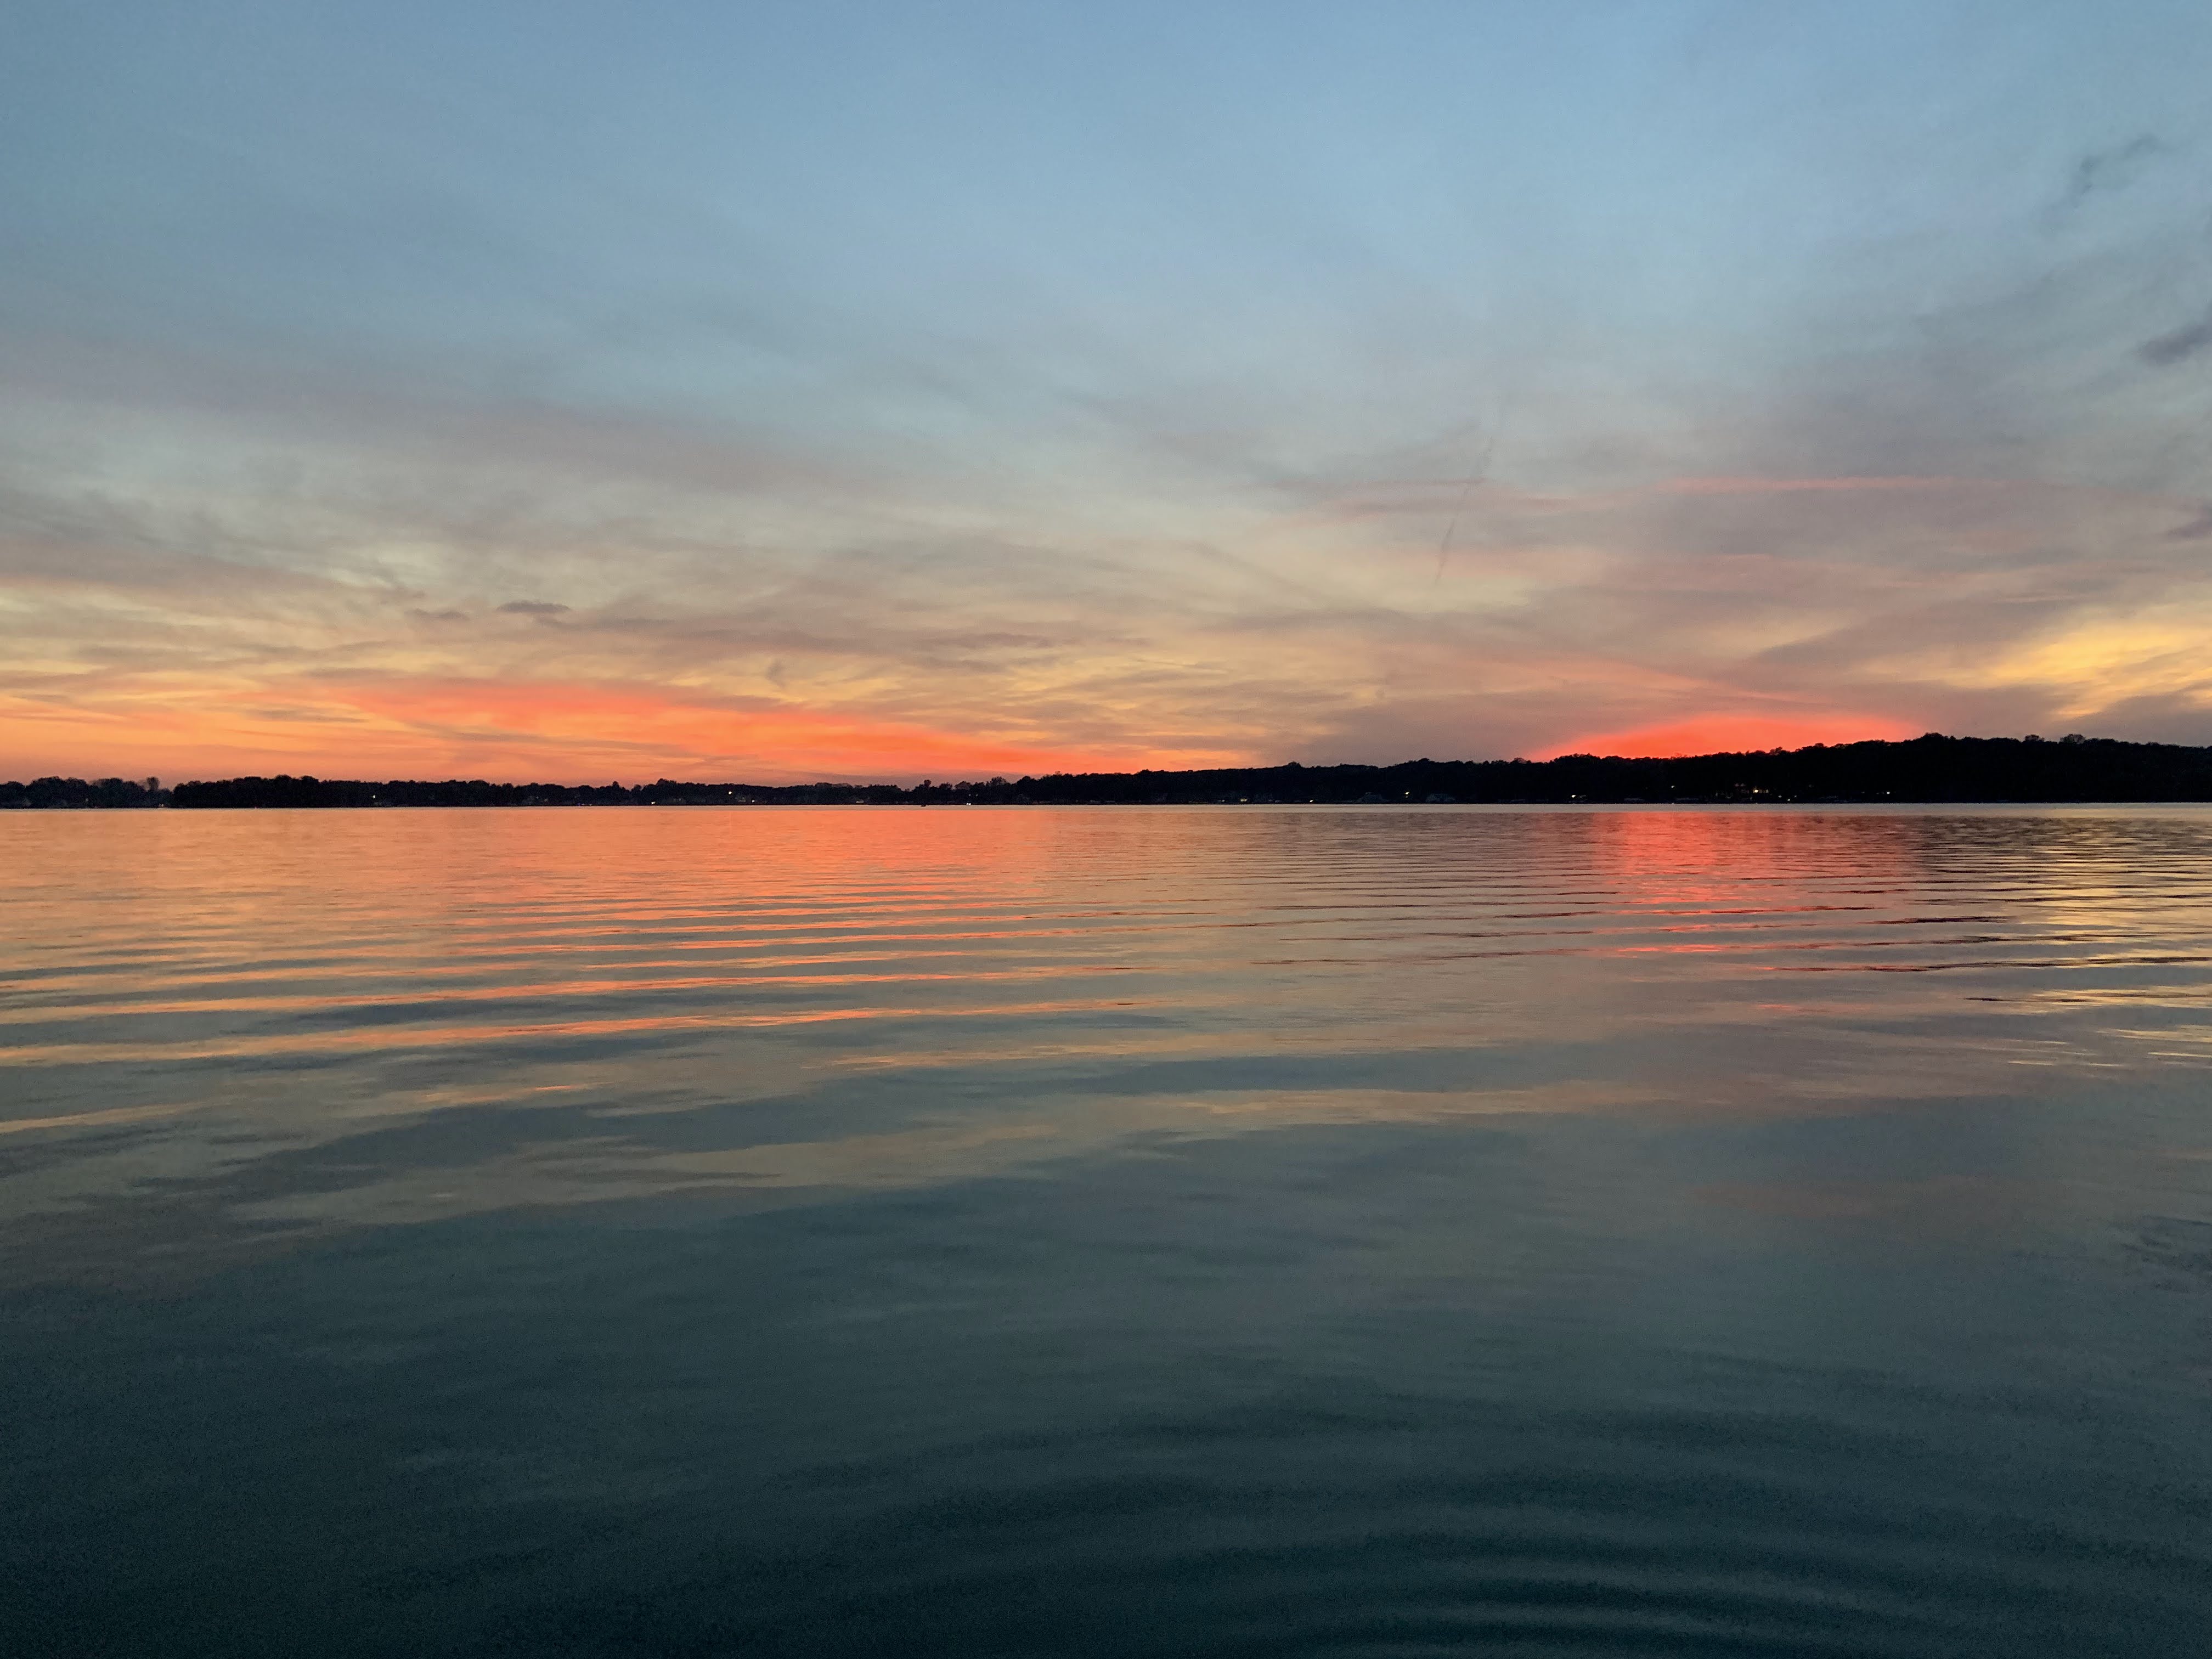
column 1184, row 1230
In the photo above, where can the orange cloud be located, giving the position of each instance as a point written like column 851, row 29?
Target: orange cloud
column 1724, row 733
column 513, row 730
column 644, row 720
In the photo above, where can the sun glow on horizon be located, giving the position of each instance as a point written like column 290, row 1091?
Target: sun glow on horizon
column 524, row 732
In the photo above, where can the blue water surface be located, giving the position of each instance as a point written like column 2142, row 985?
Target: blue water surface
column 1192, row 1231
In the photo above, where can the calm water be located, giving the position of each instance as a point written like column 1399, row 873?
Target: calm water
column 1174, row 1231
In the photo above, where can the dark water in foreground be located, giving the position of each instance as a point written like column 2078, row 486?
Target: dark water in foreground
column 1183, row 1231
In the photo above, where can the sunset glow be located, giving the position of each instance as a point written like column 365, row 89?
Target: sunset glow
column 1627, row 383
column 1108, row 831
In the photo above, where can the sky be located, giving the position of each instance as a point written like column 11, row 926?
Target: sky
column 770, row 393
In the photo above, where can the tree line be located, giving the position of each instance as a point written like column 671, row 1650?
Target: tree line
column 1930, row 769
column 76, row 792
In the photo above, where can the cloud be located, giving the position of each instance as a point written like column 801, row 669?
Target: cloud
column 1776, row 608
column 1882, row 516
column 2113, row 169
column 2180, row 345
column 2194, row 530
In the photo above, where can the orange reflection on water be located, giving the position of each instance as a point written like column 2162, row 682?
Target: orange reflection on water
column 198, row 999
column 1721, row 863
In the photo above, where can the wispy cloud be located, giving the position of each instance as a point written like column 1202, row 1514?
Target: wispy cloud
column 2182, row 344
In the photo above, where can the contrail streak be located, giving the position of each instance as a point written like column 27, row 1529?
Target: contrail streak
column 1480, row 474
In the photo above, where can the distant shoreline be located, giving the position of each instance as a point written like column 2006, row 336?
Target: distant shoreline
column 1934, row 769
